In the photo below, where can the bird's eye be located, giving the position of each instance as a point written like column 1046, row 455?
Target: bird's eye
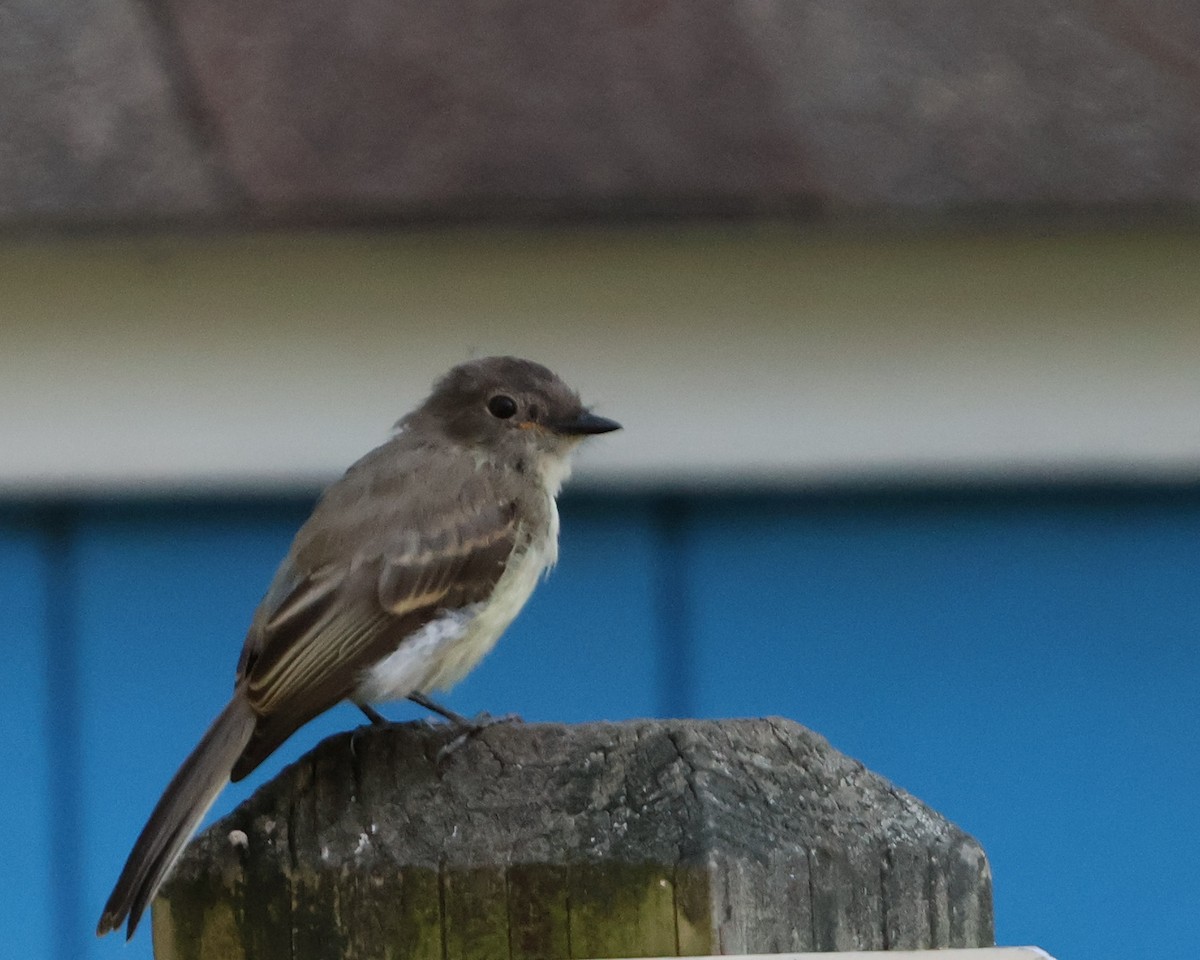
column 502, row 406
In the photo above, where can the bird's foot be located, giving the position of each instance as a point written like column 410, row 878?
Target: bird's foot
column 464, row 728
column 469, row 729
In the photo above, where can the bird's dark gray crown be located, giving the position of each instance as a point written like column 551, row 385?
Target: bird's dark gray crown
column 459, row 400
column 480, row 378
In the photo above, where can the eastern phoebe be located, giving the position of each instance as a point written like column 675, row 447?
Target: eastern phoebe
column 405, row 575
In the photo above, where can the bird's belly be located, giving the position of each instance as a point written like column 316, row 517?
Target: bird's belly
column 409, row 667
column 445, row 650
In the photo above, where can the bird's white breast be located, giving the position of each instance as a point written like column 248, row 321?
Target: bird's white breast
column 443, row 651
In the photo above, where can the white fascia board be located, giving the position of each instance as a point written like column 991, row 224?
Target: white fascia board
column 732, row 356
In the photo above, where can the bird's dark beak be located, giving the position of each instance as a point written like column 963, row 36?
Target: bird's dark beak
column 584, row 424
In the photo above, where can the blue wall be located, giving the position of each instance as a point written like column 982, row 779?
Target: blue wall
column 1024, row 661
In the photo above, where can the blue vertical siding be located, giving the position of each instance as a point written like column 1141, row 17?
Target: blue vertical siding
column 27, row 756
column 1025, row 662
column 1029, row 666
column 164, row 597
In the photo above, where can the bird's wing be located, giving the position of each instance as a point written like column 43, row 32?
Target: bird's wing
column 313, row 647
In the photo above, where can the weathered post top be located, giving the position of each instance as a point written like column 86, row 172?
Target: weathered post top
column 645, row 838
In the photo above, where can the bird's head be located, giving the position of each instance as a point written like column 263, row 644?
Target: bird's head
column 511, row 408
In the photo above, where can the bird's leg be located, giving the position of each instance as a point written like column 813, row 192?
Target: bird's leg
column 455, row 718
column 376, row 718
column 480, row 721
column 465, row 729
column 379, row 720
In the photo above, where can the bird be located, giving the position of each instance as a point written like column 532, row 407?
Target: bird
column 404, row 576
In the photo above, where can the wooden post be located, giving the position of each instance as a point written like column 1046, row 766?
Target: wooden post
column 647, row 838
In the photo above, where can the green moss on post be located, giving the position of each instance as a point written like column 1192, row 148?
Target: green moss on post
column 622, row 910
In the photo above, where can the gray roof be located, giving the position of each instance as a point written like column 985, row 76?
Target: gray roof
column 362, row 111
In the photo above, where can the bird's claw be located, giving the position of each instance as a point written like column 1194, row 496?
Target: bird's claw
column 469, row 729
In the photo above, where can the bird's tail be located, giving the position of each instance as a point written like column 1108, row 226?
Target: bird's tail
column 178, row 813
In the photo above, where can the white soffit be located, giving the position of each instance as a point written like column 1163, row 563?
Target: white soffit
column 732, row 356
